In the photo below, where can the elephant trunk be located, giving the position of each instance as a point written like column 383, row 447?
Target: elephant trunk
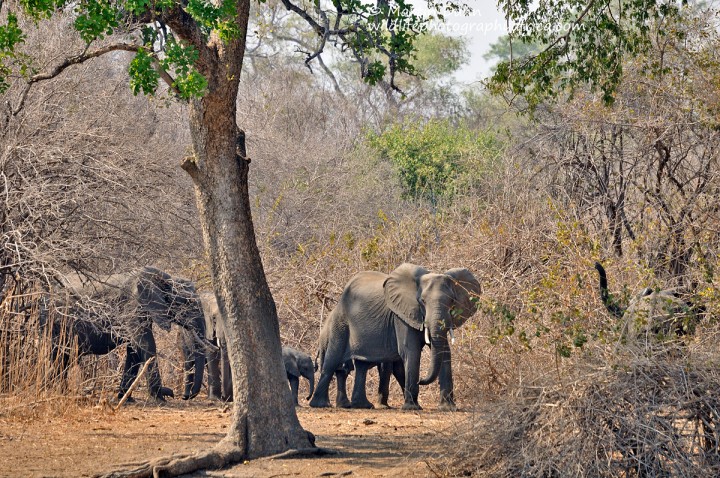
column 310, row 376
column 440, row 355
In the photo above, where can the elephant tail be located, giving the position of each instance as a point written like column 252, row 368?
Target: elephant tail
column 608, row 301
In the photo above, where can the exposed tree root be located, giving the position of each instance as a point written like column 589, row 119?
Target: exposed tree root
column 179, row 464
column 214, row 459
column 301, row 453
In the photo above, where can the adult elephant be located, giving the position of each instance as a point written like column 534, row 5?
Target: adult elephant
column 385, row 318
column 219, row 374
column 385, row 370
column 652, row 313
column 121, row 309
column 298, row 364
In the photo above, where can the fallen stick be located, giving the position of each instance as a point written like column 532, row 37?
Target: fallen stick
column 135, row 383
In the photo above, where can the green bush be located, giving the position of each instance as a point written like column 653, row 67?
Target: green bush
column 437, row 159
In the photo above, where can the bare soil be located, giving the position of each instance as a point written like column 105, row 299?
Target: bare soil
column 87, row 441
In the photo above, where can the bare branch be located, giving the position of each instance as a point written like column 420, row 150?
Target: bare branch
column 318, row 55
column 65, row 64
column 84, row 56
column 305, row 16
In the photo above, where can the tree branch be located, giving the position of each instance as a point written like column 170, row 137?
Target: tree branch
column 303, row 14
column 318, row 55
column 65, row 64
column 84, row 56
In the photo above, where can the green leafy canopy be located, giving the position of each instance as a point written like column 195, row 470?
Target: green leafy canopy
column 380, row 35
column 583, row 43
column 10, row 36
column 438, row 158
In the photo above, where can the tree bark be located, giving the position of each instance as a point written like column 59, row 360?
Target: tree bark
column 264, row 419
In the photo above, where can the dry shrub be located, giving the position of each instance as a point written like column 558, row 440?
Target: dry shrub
column 646, row 417
column 33, row 385
column 90, row 181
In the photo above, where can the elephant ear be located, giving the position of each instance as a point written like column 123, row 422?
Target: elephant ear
column 211, row 313
column 401, row 294
column 153, row 287
column 466, row 289
column 185, row 304
column 290, row 364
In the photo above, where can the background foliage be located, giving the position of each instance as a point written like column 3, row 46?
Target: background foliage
column 347, row 178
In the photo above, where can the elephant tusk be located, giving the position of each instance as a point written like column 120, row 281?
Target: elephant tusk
column 452, row 337
column 427, row 336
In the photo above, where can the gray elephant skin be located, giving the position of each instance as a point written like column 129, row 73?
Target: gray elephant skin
column 219, row 375
column 298, row 364
column 132, row 303
column 656, row 314
column 385, row 318
column 385, row 370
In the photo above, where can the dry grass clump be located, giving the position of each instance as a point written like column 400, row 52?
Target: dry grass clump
column 33, row 384
column 644, row 418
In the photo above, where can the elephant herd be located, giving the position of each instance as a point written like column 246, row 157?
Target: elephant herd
column 381, row 320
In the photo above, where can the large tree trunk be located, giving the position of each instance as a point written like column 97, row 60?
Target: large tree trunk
column 264, row 420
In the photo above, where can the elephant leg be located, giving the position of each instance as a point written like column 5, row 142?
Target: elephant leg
column 341, row 398
column 294, row 383
column 410, row 343
column 411, row 361
column 130, row 371
column 146, row 349
column 59, row 366
column 398, row 371
column 227, row 383
column 198, row 371
column 384, row 371
column 214, row 377
column 447, row 398
column 359, row 397
column 320, row 398
column 332, row 361
column 188, row 356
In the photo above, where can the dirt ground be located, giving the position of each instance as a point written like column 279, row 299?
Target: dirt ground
column 91, row 440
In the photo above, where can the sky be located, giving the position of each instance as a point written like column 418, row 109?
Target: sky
column 482, row 28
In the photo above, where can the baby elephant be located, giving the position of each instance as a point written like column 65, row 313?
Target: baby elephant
column 298, row 364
